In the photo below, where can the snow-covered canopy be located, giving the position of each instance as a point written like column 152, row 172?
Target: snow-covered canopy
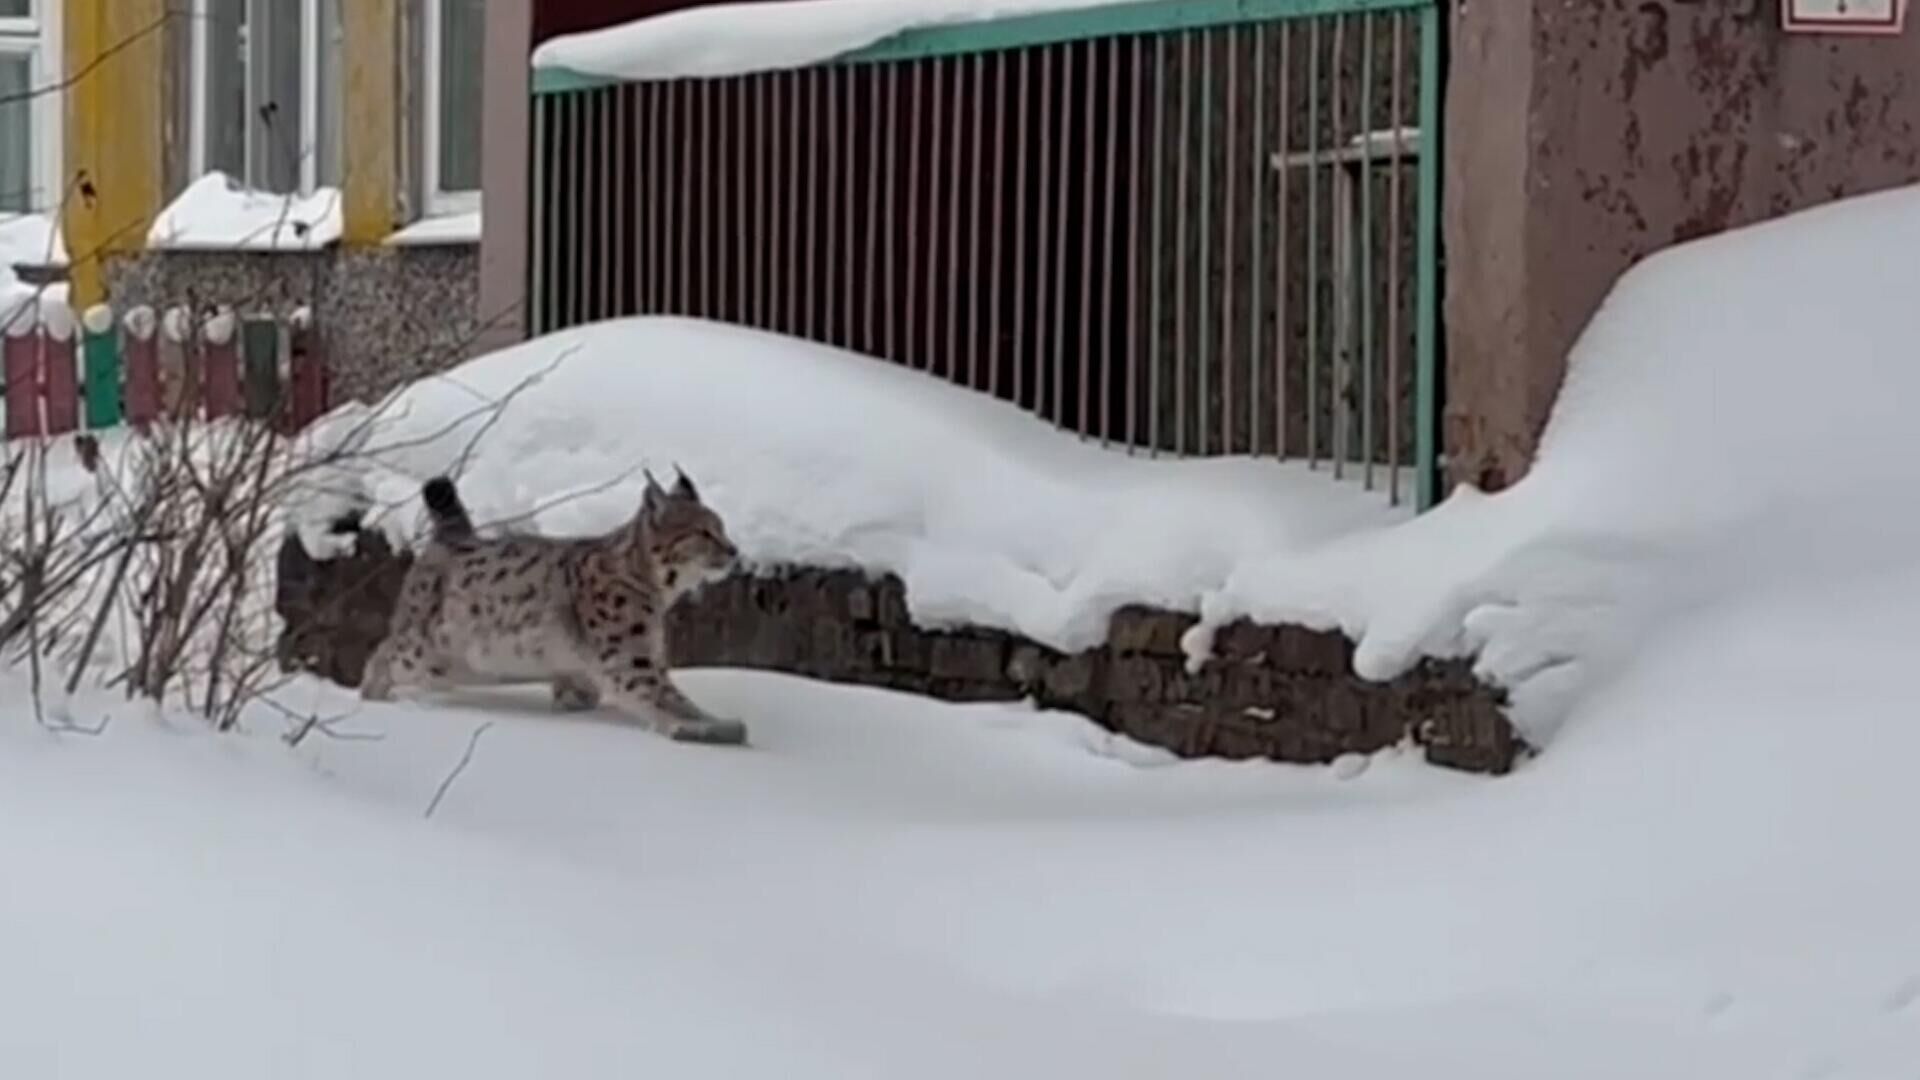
column 736, row 39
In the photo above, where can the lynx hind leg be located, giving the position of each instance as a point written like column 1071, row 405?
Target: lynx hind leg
column 407, row 659
column 574, row 693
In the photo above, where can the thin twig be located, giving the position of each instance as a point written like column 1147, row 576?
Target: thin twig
column 472, row 741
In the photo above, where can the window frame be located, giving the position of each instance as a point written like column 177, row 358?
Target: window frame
column 307, row 113
column 438, row 200
column 37, row 37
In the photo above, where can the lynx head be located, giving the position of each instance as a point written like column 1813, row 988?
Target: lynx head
column 681, row 537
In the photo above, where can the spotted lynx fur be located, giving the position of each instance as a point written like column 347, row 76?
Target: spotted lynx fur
column 585, row 615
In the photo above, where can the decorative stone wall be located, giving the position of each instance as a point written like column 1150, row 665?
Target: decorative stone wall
column 389, row 314
column 1276, row 692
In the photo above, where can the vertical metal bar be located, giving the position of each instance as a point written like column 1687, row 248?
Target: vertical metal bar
column 1089, row 173
column 746, row 239
column 1229, row 178
column 1044, row 205
column 1182, row 203
column 934, row 174
column 870, row 330
column 890, row 272
column 1156, row 356
column 760, row 164
column 1256, row 249
column 1313, row 245
column 709, row 201
column 620, row 238
column 996, row 232
column 833, row 262
column 796, row 83
column 954, row 171
column 1339, row 373
column 810, row 210
column 1022, row 107
column 659, row 181
column 543, row 156
column 1203, row 298
column 683, row 198
column 1136, row 204
column 1367, row 308
column 1426, row 395
column 913, row 356
column 1282, row 266
column 850, row 234
column 1064, row 194
column 979, row 108
column 1108, row 254
column 576, row 195
column 1394, row 222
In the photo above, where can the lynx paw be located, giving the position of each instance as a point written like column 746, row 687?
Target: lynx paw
column 710, row 732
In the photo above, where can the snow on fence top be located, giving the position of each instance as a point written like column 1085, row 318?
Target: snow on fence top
column 738, row 39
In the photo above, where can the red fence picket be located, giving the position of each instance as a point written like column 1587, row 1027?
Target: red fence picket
column 143, row 378
column 60, row 381
column 22, row 368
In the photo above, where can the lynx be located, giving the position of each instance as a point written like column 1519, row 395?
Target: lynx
column 586, row 615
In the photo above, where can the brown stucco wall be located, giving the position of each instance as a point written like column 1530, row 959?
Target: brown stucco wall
column 1584, row 136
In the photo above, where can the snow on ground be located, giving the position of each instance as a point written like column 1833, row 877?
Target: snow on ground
column 737, row 38
column 1737, row 412
column 1706, row 876
column 218, row 213
column 817, row 456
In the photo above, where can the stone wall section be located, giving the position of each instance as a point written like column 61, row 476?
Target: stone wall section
column 1282, row 693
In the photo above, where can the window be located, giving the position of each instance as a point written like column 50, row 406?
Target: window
column 29, row 122
column 455, row 33
column 267, row 86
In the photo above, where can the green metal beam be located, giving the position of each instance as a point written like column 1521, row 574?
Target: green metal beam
column 1427, row 372
column 1048, row 28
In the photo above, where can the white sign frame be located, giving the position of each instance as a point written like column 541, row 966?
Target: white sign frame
column 1866, row 17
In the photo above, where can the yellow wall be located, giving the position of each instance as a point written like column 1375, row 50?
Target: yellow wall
column 372, row 119
column 114, row 51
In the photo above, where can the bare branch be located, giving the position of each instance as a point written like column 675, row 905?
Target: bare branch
column 465, row 759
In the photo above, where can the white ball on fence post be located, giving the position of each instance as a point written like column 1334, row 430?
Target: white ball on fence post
column 98, row 319
column 219, row 329
column 141, row 322
column 178, row 324
column 56, row 319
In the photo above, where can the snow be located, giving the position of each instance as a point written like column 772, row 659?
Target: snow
column 1735, row 412
column 439, row 229
column 28, row 240
column 739, row 38
column 216, row 213
column 1712, row 576
column 820, row 457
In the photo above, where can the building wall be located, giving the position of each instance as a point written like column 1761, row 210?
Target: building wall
column 1583, row 137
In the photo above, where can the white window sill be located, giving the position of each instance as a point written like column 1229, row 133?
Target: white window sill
column 440, row 230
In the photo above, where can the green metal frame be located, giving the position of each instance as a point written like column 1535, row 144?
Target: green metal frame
column 1160, row 17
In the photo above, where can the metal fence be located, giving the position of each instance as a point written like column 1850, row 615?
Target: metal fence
column 1193, row 227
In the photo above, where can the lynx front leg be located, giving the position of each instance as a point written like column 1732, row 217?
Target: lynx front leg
column 399, row 664
column 572, row 693
column 642, row 690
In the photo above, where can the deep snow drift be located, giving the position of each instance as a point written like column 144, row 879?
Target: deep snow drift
column 817, row 456
column 1712, row 577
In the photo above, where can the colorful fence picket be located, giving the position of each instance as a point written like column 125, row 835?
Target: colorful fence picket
column 103, row 371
